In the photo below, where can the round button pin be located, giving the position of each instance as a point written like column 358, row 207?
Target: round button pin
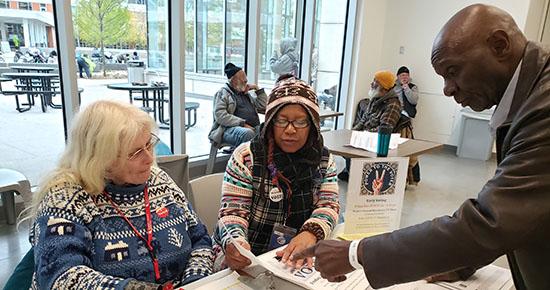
column 275, row 195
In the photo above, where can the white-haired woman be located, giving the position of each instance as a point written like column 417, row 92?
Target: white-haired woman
column 108, row 218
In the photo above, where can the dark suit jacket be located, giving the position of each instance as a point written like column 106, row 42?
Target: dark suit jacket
column 511, row 214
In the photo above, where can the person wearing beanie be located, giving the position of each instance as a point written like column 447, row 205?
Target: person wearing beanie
column 408, row 96
column 236, row 107
column 382, row 108
column 280, row 188
column 407, row 92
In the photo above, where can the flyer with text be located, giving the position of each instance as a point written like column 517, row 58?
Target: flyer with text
column 374, row 200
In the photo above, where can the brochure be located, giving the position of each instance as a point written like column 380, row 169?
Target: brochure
column 375, row 195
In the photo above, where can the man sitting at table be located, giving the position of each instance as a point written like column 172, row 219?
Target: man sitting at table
column 236, row 110
column 382, row 108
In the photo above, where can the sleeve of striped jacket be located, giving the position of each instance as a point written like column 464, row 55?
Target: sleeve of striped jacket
column 327, row 206
column 237, row 188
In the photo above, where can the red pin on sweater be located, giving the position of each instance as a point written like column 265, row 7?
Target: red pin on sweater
column 162, row 212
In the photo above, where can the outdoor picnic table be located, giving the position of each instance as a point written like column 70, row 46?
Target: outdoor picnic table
column 33, row 84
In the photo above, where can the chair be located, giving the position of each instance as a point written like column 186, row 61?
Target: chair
column 12, row 182
column 191, row 107
column 206, row 193
column 177, row 167
column 212, row 156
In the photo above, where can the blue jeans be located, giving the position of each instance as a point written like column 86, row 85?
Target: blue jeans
column 237, row 135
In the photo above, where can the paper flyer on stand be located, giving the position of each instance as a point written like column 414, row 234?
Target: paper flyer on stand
column 375, row 195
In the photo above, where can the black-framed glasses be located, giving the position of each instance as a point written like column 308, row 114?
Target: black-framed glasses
column 298, row 124
column 149, row 147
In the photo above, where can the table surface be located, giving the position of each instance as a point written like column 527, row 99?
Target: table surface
column 37, row 68
column 328, row 113
column 130, row 87
column 336, row 140
column 27, row 74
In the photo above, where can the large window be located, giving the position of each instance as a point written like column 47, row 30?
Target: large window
column 277, row 24
column 122, row 55
column 190, row 35
column 31, row 131
column 215, row 33
column 25, row 6
column 327, row 52
column 235, row 32
column 210, row 22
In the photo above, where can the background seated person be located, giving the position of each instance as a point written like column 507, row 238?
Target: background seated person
column 381, row 109
column 108, row 218
column 408, row 96
column 284, row 177
column 236, row 110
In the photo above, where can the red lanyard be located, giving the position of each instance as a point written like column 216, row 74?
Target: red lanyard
column 149, row 222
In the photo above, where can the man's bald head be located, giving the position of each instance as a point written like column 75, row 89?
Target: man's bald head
column 482, row 41
column 474, row 25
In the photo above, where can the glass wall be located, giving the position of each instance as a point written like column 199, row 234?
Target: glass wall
column 327, row 52
column 235, row 32
column 190, row 35
column 210, row 22
column 31, row 131
column 215, row 33
column 277, row 23
column 122, row 55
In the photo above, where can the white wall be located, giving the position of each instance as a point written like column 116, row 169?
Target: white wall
column 385, row 26
column 367, row 51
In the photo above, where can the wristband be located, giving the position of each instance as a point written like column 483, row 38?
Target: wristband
column 353, row 259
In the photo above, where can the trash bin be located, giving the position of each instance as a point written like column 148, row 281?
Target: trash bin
column 136, row 70
column 475, row 141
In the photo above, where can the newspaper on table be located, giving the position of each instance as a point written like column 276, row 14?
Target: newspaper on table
column 369, row 140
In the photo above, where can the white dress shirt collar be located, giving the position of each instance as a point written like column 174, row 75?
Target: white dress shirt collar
column 503, row 108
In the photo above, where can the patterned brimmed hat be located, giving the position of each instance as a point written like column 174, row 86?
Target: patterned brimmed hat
column 292, row 91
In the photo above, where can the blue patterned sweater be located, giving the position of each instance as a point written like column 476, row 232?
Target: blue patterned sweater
column 81, row 242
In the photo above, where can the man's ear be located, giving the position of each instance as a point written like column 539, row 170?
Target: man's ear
column 499, row 43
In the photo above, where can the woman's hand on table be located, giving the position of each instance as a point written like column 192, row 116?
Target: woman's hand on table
column 300, row 242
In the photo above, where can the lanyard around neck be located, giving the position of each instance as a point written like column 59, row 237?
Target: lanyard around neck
column 149, row 222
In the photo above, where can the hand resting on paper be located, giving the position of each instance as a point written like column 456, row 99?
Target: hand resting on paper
column 234, row 259
column 331, row 259
column 300, row 242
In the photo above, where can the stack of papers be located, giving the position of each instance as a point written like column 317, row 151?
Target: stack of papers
column 369, row 140
column 488, row 278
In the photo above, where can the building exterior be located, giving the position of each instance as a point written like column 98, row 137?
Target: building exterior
column 27, row 23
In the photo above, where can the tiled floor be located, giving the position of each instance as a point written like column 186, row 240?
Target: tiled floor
column 446, row 182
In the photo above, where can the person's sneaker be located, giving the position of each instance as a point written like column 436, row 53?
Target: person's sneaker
column 344, row 175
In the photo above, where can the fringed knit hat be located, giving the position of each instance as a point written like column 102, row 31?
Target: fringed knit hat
column 290, row 90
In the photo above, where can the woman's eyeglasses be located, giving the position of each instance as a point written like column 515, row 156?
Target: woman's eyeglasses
column 298, row 124
column 149, row 147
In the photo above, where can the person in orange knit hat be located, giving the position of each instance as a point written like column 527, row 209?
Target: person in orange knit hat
column 382, row 108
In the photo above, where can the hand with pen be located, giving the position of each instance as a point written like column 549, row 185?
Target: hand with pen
column 234, row 259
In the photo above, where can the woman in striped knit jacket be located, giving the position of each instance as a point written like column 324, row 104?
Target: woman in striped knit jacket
column 281, row 187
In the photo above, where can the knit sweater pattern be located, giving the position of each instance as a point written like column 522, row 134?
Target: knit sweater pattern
column 240, row 219
column 82, row 242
